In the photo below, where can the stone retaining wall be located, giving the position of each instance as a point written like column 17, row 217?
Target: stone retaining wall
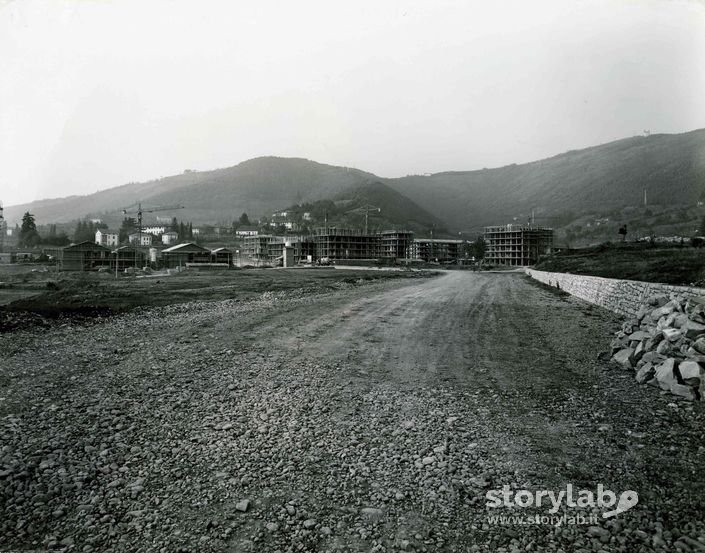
column 621, row 296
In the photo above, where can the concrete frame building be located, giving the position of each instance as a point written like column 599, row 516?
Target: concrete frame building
column 261, row 248
column 268, row 249
column 395, row 244
column 517, row 245
column 338, row 243
column 437, row 249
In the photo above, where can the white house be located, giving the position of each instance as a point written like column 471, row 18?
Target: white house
column 155, row 230
column 169, row 238
column 141, row 239
column 106, row 237
column 247, row 231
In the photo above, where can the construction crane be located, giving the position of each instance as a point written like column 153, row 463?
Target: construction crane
column 140, row 211
column 532, row 218
column 366, row 210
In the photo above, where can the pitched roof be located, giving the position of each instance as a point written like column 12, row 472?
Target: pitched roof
column 186, row 248
column 86, row 245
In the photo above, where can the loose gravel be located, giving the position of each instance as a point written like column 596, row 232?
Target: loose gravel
column 161, row 431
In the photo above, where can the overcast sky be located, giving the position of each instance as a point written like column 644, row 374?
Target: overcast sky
column 94, row 94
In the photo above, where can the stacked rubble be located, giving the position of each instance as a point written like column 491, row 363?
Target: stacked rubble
column 665, row 345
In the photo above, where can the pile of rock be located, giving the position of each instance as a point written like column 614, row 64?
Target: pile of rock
column 665, row 345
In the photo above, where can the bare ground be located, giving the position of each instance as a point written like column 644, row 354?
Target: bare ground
column 371, row 418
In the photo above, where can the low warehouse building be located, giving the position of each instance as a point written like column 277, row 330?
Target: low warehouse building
column 128, row 257
column 222, row 256
column 85, row 256
column 186, row 254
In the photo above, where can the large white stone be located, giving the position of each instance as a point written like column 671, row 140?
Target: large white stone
column 690, row 369
column 693, row 329
column 664, row 311
column 664, row 374
column 625, row 357
column 699, row 345
column 682, row 390
column 680, row 320
column 671, row 334
column 639, row 335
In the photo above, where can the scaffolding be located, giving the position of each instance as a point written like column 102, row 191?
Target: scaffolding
column 340, row 243
column 267, row 249
column 437, row 249
column 330, row 242
column 395, row 244
column 517, row 245
column 261, row 248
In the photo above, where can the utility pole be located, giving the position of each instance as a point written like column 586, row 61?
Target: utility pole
column 2, row 228
column 367, row 215
column 431, row 259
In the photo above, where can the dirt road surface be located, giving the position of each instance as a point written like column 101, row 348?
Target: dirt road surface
column 371, row 418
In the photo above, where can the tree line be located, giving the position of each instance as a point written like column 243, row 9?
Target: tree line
column 29, row 236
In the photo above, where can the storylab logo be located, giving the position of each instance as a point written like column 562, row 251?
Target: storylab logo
column 610, row 502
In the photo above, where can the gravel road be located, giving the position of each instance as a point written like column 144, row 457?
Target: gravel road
column 374, row 417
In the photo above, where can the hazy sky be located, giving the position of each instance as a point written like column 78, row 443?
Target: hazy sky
column 94, row 94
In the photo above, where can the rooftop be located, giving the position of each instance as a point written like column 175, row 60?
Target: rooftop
column 186, row 247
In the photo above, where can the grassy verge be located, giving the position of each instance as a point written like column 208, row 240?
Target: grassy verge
column 634, row 261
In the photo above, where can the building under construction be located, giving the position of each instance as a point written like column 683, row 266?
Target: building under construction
column 395, row 244
column 339, row 243
column 256, row 249
column 517, row 245
column 333, row 243
column 267, row 249
column 438, row 249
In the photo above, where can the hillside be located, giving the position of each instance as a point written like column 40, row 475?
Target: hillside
column 396, row 210
column 666, row 263
column 576, row 187
column 384, row 207
column 258, row 187
column 601, row 179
